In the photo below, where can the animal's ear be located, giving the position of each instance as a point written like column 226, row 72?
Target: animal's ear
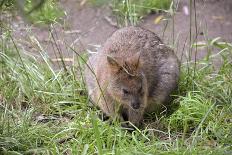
column 114, row 61
column 135, row 60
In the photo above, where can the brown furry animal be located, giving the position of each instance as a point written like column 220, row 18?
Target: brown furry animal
column 134, row 73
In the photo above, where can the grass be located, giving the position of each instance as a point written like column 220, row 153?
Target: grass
column 48, row 13
column 46, row 111
column 130, row 12
column 38, row 12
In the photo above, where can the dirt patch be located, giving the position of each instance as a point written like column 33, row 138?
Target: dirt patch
column 86, row 27
column 213, row 19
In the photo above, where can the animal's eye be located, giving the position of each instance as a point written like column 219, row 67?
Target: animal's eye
column 126, row 92
column 140, row 90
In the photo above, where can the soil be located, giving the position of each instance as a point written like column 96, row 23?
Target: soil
column 86, row 27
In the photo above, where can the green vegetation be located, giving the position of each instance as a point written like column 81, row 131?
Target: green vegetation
column 46, row 111
column 39, row 12
column 48, row 13
column 129, row 12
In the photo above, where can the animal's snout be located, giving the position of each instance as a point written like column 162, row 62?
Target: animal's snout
column 135, row 105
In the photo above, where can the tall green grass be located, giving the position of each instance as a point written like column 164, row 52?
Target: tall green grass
column 130, row 12
column 49, row 12
column 38, row 12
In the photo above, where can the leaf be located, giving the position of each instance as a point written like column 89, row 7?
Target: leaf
column 158, row 19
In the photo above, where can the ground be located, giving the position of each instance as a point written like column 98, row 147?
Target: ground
column 87, row 27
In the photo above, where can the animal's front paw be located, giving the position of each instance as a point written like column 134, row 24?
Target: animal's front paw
column 103, row 117
column 136, row 123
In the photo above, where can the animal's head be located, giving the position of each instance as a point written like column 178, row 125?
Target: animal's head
column 128, row 84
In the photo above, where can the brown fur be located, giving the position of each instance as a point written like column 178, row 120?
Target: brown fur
column 134, row 73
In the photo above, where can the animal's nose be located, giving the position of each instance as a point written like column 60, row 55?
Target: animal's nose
column 135, row 105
